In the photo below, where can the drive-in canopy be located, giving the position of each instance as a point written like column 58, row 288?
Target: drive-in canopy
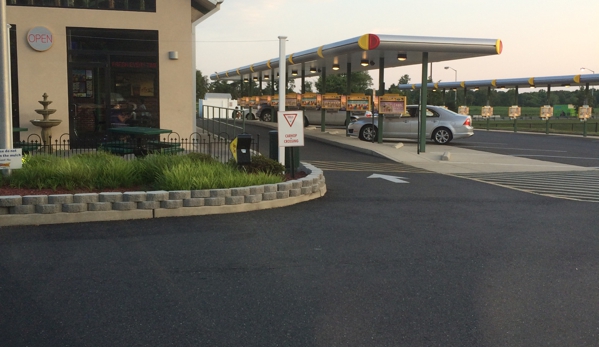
column 368, row 52
column 368, row 49
column 532, row 82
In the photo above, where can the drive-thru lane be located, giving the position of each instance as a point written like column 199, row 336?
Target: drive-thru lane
column 439, row 260
column 565, row 149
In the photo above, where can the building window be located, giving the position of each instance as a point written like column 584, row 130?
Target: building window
column 112, row 73
column 120, row 5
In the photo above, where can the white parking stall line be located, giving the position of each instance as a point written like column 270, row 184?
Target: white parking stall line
column 575, row 185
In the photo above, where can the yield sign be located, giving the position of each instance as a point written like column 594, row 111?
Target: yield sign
column 290, row 118
column 291, row 131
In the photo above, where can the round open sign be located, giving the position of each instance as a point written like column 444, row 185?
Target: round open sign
column 40, row 39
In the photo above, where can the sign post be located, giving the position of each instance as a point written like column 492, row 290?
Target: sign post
column 291, row 132
column 5, row 92
column 282, row 89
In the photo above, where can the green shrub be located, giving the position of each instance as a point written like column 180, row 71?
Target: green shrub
column 261, row 164
column 192, row 177
column 201, row 157
column 159, row 171
column 83, row 171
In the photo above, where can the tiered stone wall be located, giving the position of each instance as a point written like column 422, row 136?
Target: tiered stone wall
column 70, row 208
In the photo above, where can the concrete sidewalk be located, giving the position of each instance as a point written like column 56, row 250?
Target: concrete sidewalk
column 437, row 158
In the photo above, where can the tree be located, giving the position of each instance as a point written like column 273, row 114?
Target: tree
column 221, row 86
column 201, row 85
column 360, row 83
column 405, row 79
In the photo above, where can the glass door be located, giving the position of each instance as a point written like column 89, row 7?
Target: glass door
column 89, row 100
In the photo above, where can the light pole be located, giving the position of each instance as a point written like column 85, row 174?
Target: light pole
column 455, row 93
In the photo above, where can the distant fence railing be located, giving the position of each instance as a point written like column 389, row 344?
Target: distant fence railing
column 215, row 145
column 551, row 125
column 218, row 120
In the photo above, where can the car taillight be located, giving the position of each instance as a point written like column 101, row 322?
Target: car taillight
column 468, row 122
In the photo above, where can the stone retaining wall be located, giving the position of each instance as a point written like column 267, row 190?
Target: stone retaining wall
column 69, row 208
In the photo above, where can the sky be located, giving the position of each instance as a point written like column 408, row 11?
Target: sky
column 540, row 37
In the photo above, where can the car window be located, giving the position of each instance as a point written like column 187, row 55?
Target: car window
column 413, row 112
column 431, row 113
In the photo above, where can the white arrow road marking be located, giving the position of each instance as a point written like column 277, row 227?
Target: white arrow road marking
column 393, row 179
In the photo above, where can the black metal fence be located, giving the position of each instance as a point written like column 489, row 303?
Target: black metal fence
column 129, row 147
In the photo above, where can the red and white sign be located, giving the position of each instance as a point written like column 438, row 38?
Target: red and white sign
column 40, row 39
column 291, row 128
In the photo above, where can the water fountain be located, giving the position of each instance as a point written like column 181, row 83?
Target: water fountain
column 46, row 124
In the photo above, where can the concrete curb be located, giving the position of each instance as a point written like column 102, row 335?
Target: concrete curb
column 77, row 208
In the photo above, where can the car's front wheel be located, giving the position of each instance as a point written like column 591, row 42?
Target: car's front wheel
column 266, row 116
column 442, row 136
column 250, row 116
column 368, row 133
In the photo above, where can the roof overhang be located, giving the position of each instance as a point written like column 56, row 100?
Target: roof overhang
column 371, row 48
column 201, row 8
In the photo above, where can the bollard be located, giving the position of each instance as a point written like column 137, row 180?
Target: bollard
column 292, row 154
column 273, row 145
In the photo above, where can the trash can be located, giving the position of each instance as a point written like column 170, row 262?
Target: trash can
column 244, row 144
column 273, row 153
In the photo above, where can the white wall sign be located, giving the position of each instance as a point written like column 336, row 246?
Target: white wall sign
column 40, row 39
column 291, row 128
column 11, row 158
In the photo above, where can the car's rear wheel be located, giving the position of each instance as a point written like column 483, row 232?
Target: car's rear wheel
column 442, row 136
column 266, row 116
column 368, row 133
column 250, row 116
column 306, row 123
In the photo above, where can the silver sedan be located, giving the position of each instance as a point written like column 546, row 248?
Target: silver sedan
column 442, row 125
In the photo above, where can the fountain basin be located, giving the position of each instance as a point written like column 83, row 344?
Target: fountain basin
column 46, row 125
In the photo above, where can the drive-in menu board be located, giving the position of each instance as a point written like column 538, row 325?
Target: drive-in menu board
column 274, row 101
column 584, row 112
column 358, row 103
column 392, row 104
column 244, row 102
column 331, row 101
column 546, row 111
column 265, row 99
column 514, row 111
column 486, row 111
column 292, row 100
column 311, row 100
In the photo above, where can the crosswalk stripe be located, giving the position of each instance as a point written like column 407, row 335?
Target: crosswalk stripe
column 368, row 167
column 571, row 185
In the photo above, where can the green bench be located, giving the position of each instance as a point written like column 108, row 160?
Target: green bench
column 27, row 147
column 168, row 150
column 164, row 144
column 117, row 147
column 165, row 147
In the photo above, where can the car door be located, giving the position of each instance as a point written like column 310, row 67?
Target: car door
column 432, row 121
column 393, row 125
column 408, row 123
